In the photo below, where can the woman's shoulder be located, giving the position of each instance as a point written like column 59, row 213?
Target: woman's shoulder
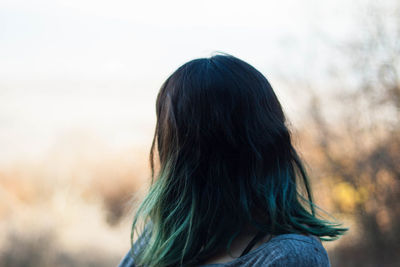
column 285, row 250
column 298, row 250
column 292, row 250
column 289, row 250
column 127, row 261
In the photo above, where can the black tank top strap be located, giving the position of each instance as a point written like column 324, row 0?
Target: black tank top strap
column 251, row 244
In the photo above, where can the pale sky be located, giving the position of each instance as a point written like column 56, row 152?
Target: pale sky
column 95, row 66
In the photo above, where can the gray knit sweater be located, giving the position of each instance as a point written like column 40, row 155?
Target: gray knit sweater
column 289, row 250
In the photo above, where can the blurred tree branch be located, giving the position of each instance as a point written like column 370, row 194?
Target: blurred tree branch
column 361, row 149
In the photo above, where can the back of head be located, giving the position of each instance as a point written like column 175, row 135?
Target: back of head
column 226, row 161
column 220, row 109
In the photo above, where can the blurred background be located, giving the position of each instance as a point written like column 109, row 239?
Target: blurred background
column 78, row 83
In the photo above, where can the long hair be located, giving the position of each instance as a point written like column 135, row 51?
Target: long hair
column 226, row 160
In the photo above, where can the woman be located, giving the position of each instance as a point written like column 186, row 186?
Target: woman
column 230, row 189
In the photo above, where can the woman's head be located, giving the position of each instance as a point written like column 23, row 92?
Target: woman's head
column 220, row 108
column 226, row 161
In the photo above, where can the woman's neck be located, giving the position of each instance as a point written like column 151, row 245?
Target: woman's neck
column 238, row 245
